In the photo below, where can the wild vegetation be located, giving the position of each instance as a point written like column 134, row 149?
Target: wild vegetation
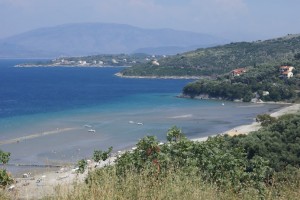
column 222, row 59
column 261, row 165
column 278, row 142
column 260, row 82
column 5, row 177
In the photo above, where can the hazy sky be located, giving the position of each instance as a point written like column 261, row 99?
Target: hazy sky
column 232, row 19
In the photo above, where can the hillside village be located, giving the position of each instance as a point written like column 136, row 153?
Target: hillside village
column 98, row 61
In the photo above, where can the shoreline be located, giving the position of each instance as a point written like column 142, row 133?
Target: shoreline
column 206, row 97
column 254, row 126
column 70, row 66
column 159, row 77
column 43, row 183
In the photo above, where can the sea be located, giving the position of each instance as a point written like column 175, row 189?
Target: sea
column 59, row 115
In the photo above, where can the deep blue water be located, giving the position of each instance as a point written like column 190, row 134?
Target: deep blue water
column 26, row 91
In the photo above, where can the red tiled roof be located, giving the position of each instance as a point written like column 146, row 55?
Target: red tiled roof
column 239, row 71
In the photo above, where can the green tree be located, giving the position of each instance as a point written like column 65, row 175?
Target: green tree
column 82, row 164
column 265, row 119
column 4, row 157
column 102, row 155
column 5, row 177
column 175, row 134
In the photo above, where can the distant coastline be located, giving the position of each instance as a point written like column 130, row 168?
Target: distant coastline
column 256, row 101
column 60, row 65
column 159, row 77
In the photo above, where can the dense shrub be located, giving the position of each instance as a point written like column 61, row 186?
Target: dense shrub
column 261, row 165
column 278, row 142
column 5, row 177
column 213, row 161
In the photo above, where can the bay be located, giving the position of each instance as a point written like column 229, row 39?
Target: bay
column 46, row 113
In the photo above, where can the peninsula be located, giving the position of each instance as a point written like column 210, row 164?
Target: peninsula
column 105, row 60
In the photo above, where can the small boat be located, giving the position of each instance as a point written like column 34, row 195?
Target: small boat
column 88, row 126
column 92, row 130
column 139, row 123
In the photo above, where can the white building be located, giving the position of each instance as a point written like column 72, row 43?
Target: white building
column 155, row 62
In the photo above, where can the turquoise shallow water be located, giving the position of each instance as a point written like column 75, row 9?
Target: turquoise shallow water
column 43, row 121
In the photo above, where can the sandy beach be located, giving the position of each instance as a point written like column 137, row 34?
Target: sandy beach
column 35, row 186
column 245, row 129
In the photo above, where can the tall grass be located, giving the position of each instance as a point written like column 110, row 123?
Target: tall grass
column 4, row 195
column 105, row 184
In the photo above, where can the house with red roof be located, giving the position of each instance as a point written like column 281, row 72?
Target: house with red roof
column 286, row 71
column 238, row 72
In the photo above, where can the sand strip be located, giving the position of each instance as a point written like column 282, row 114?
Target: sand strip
column 245, row 129
column 36, row 135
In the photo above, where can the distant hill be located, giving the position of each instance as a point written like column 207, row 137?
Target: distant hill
column 101, row 38
column 222, row 59
column 171, row 50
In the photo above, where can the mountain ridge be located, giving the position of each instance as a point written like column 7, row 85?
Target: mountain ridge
column 100, row 38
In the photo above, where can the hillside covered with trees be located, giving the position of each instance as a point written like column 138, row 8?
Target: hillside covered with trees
column 222, row 59
column 257, row 83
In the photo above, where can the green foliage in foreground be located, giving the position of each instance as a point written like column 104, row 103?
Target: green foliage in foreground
column 104, row 184
column 278, row 142
column 102, row 155
column 223, row 167
column 82, row 165
column 4, row 157
column 5, row 177
column 212, row 161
